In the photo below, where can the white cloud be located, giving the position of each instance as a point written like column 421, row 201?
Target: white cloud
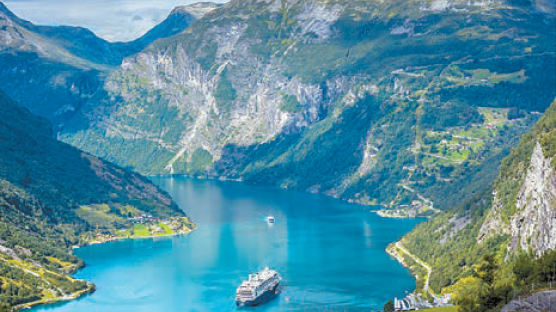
column 114, row 20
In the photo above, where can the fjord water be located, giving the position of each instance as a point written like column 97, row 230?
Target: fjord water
column 330, row 254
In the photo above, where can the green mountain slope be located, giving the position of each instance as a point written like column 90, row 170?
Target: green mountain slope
column 53, row 70
column 52, row 197
column 515, row 215
column 394, row 103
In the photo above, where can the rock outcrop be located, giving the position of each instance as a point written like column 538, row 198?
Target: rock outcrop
column 537, row 302
column 515, row 216
column 534, row 224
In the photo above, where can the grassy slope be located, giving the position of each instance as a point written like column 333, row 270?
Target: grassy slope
column 451, row 252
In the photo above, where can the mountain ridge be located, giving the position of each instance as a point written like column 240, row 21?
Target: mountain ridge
column 255, row 90
column 69, row 63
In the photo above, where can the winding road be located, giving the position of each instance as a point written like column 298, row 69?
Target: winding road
column 420, row 262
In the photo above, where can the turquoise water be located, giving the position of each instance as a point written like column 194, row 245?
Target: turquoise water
column 330, row 254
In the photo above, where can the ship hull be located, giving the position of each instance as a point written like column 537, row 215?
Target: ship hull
column 263, row 298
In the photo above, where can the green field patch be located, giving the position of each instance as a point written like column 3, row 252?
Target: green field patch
column 477, row 145
column 62, row 264
column 140, row 230
column 475, row 32
column 99, row 215
column 166, row 229
column 480, row 73
column 515, row 77
column 495, row 116
column 123, row 232
column 442, row 309
column 128, row 210
column 475, row 132
column 485, row 75
column 458, row 156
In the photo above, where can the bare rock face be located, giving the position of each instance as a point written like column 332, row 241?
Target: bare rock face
column 198, row 10
column 206, row 122
column 493, row 223
column 537, row 302
column 534, row 226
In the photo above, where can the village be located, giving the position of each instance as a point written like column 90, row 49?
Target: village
column 143, row 225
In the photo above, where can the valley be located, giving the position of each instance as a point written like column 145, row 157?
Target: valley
column 233, row 100
column 436, row 109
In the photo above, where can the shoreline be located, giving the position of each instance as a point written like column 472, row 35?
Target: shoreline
column 421, row 296
column 394, row 250
column 115, row 239
column 382, row 212
column 27, row 306
column 91, row 287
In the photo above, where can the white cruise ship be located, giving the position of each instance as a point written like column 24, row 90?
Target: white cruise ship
column 259, row 288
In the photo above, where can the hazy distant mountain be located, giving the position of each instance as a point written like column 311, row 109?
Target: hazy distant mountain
column 53, row 70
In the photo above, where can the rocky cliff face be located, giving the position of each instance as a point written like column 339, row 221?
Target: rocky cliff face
column 394, row 103
column 532, row 226
column 524, row 205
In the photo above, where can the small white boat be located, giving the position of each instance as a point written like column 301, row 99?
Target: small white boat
column 270, row 220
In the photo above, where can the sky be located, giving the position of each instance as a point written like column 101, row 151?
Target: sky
column 113, row 20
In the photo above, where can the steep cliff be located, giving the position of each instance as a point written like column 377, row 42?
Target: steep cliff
column 524, row 204
column 392, row 103
column 516, row 215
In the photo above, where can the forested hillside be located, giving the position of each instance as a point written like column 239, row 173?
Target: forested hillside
column 54, row 196
column 506, row 226
column 395, row 103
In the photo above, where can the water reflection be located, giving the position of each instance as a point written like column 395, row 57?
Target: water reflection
column 330, row 254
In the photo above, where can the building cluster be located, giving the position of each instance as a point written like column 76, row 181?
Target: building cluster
column 144, row 219
column 412, row 302
column 408, row 303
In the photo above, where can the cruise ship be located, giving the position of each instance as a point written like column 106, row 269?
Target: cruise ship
column 259, row 288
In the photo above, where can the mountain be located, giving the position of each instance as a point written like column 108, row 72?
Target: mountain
column 395, row 103
column 53, row 70
column 514, row 216
column 54, row 196
column 178, row 20
column 80, row 46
